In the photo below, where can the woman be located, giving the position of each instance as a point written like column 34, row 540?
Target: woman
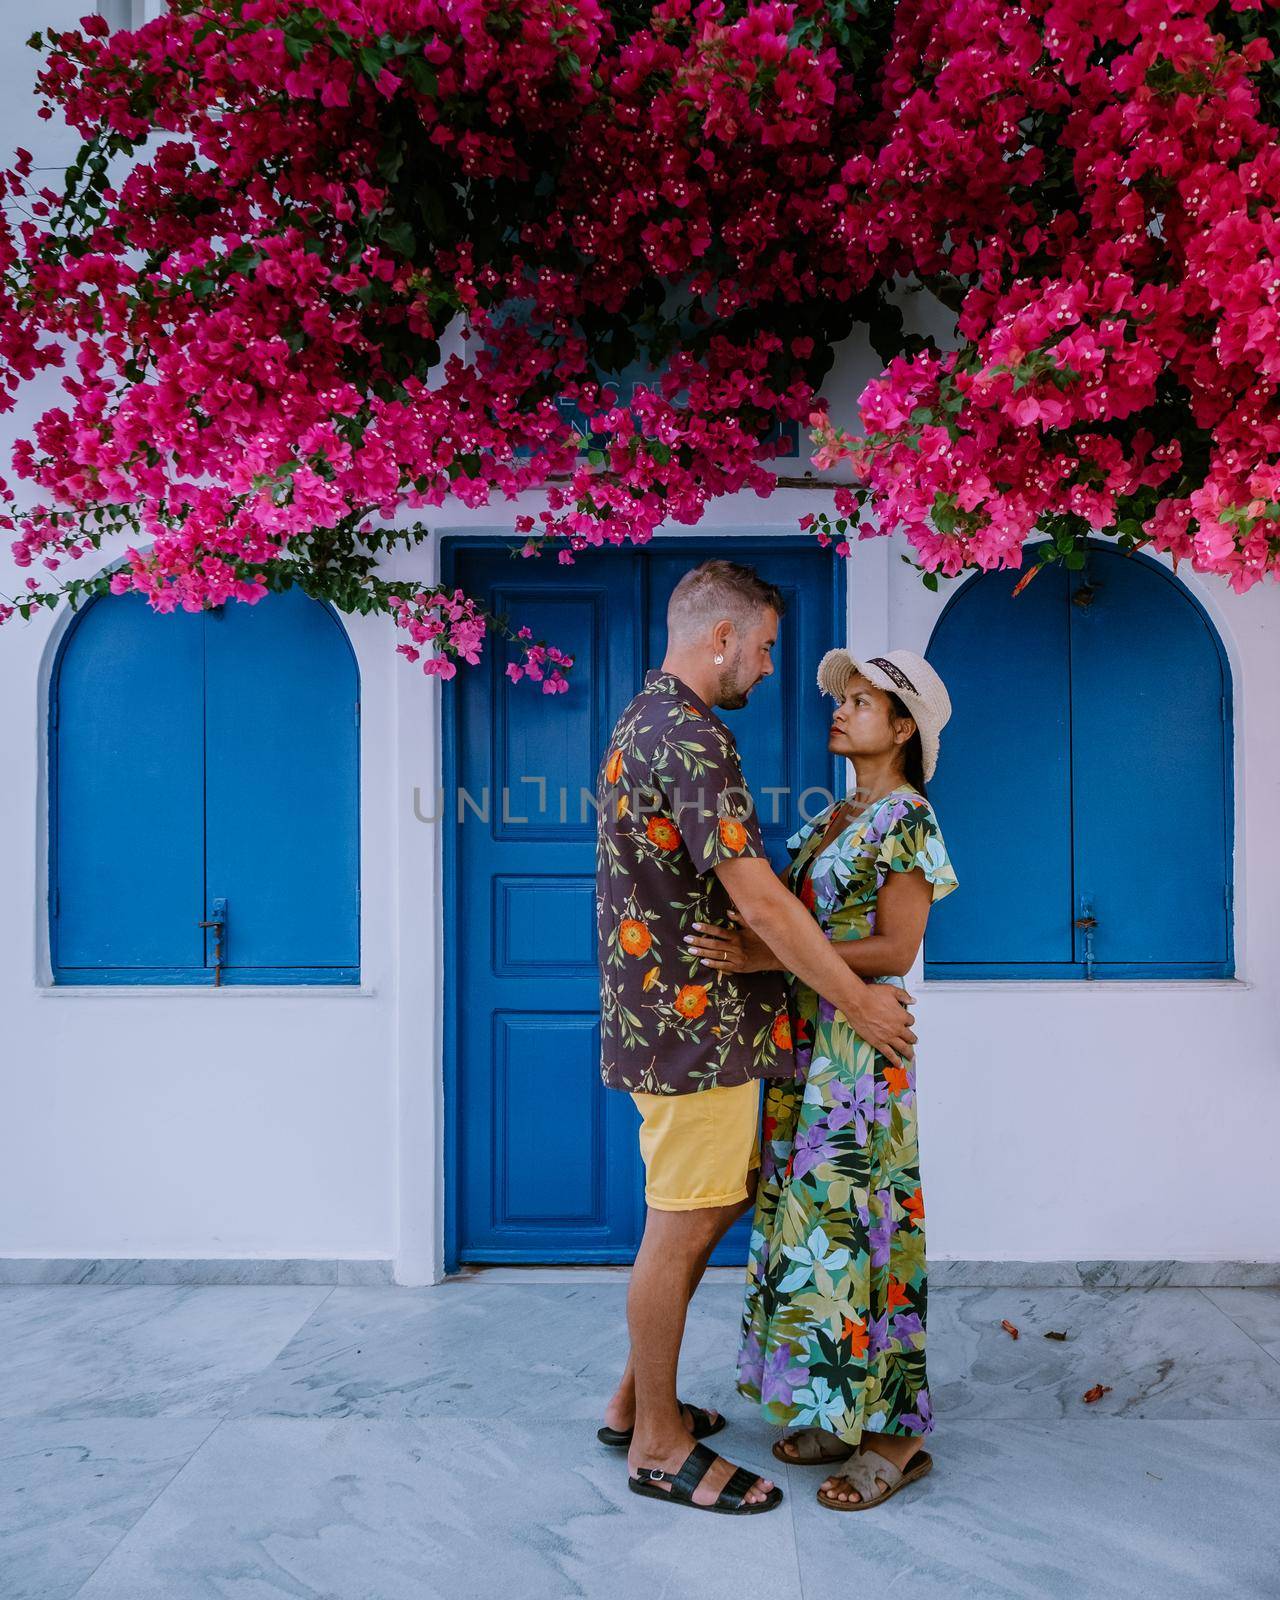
column 833, row 1330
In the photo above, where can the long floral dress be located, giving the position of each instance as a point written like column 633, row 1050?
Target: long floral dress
column 833, row 1330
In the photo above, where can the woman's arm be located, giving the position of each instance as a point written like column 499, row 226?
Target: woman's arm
column 902, row 909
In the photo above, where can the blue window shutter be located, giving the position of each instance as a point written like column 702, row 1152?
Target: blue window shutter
column 1151, row 766
column 126, row 790
column 1002, row 790
column 282, row 828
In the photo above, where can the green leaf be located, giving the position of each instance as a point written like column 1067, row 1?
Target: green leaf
column 372, row 61
column 390, row 160
column 422, row 75
column 398, row 233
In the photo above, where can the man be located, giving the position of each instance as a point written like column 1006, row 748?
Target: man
column 679, row 843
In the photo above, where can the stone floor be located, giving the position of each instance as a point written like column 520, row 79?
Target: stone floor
column 284, row 1443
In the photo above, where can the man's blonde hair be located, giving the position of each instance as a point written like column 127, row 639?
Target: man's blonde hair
column 716, row 591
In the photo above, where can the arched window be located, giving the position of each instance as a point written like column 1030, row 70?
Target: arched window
column 204, row 770
column 1085, row 782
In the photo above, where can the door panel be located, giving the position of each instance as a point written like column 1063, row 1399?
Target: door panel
column 544, row 1161
column 283, row 786
column 1149, row 709
column 128, row 843
column 1006, row 663
column 545, row 1165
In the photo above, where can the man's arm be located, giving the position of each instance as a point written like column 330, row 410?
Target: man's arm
column 877, row 1011
column 902, row 910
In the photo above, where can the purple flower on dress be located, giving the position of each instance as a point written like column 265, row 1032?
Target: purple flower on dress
column 751, row 1360
column 906, row 1325
column 921, row 1419
column 878, row 1238
column 882, row 1111
column 774, row 1155
column 780, row 1376
column 851, row 1105
column 877, row 1336
column 812, row 1148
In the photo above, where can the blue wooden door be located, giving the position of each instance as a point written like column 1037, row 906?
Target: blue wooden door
column 542, row 1159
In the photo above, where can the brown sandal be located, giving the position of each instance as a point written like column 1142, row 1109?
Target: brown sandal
column 861, row 1473
column 815, row 1447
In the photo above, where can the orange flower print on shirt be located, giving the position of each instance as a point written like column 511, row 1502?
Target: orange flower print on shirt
column 897, row 1295
column 733, row 836
column 692, row 1000
column 614, row 770
column 913, row 1205
column 780, row 1033
column 634, row 937
column 662, row 832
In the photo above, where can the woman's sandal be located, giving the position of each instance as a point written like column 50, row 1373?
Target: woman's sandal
column 861, row 1473
column 730, row 1502
column 815, row 1447
column 702, row 1426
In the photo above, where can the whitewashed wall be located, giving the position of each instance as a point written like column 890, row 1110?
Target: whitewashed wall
column 1059, row 1121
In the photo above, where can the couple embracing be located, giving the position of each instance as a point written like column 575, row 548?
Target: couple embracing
column 715, row 973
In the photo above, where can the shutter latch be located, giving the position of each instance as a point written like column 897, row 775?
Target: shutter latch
column 218, row 922
column 1088, row 922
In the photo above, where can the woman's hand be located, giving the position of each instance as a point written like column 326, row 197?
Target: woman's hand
column 731, row 949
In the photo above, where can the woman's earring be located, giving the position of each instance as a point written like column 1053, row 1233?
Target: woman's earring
column 719, row 660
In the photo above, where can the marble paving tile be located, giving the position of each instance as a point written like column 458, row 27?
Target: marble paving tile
column 100, row 1351
column 466, row 1349
column 70, row 1491
column 1167, row 1353
column 1254, row 1311
column 1101, row 1274
column 438, row 1509
column 1105, row 1510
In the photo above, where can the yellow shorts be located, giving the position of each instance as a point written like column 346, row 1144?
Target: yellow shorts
column 698, row 1148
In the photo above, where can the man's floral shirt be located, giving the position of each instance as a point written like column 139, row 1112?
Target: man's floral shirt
column 672, row 805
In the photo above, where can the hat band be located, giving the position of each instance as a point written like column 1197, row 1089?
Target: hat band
column 891, row 670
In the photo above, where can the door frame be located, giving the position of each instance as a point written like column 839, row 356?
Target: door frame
column 451, row 544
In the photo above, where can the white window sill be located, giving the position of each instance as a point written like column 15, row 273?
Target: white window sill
column 1074, row 985
column 152, row 991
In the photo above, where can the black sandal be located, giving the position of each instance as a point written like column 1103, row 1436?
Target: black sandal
column 732, row 1499
column 704, row 1425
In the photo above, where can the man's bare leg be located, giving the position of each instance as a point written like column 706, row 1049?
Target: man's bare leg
column 620, row 1413
column 657, row 1301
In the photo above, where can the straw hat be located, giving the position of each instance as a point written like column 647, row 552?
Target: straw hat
column 900, row 672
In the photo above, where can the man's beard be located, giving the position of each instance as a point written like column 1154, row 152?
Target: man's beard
column 729, row 697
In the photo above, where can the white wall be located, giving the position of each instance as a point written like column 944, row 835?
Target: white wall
column 1059, row 1121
